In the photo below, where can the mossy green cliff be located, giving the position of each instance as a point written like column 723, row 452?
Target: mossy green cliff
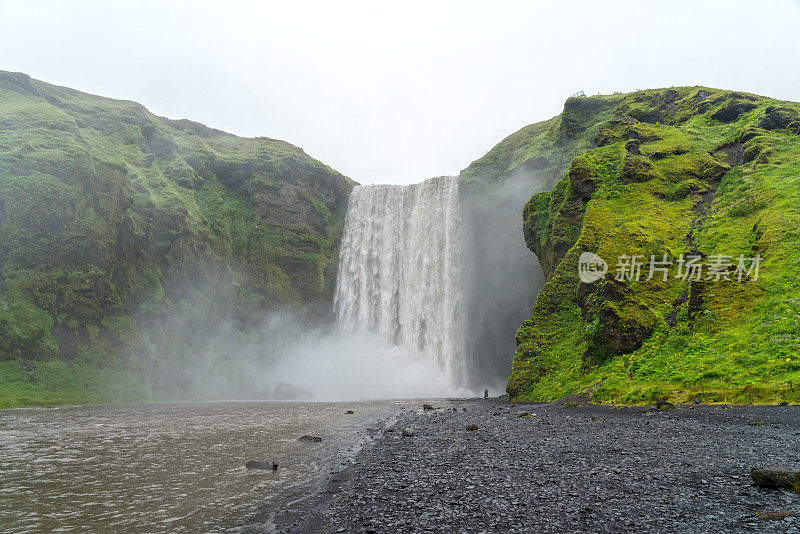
column 118, row 228
column 665, row 173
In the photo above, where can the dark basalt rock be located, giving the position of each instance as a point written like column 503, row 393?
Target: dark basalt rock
column 663, row 404
column 774, row 515
column 264, row 465
column 732, row 109
column 777, row 118
column 310, row 439
column 473, row 428
column 349, row 412
column 622, row 321
column 776, row 478
column 427, row 407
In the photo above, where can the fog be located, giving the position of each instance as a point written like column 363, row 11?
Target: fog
column 203, row 342
column 389, row 92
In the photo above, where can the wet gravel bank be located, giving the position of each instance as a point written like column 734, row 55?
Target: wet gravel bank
column 566, row 469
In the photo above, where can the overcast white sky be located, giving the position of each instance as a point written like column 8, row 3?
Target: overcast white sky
column 395, row 92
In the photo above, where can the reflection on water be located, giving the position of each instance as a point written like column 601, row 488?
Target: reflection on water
column 176, row 467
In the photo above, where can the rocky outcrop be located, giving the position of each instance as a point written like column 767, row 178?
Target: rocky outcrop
column 658, row 175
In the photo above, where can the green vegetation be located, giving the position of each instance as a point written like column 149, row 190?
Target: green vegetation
column 667, row 172
column 122, row 232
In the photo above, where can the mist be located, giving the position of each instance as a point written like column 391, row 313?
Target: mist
column 204, row 343
column 502, row 277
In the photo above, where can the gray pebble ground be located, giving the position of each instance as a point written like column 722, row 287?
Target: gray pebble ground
column 566, row 469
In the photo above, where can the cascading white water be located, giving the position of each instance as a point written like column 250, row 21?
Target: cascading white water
column 400, row 270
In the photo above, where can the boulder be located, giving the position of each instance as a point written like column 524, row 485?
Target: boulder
column 427, row 407
column 731, row 110
column 777, row 118
column 776, row 478
column 409, row 432
column 774, row 515
column 663, row 404
column 261, row 464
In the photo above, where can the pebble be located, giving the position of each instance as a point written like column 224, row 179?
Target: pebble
column 679, row 470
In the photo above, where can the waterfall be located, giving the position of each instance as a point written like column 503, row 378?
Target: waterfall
column 400, row 270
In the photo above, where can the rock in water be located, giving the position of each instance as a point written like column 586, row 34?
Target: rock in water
column 409, row 432
column 261, row 464
column 523, row 414
column 349, row 412
column 473, row 427
column 427, row 407
column 776, row 478
column 310, row 439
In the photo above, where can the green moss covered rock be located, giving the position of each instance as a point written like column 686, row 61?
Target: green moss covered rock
column 664, row 173
column 118, row 227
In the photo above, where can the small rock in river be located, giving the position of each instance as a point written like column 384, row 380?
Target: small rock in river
column 310, row 439
column 523, row 414
column 261, row 464
column 473, row 427
column 427, row 407
column 409, row 432
column 783, row 403
column 349, row 412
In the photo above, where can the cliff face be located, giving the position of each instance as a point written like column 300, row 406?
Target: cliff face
column 118, row 226
column 662, row 174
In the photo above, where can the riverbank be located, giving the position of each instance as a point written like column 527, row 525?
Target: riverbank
column 567, row 467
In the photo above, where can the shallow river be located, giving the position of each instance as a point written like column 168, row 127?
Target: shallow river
column 171, row 467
